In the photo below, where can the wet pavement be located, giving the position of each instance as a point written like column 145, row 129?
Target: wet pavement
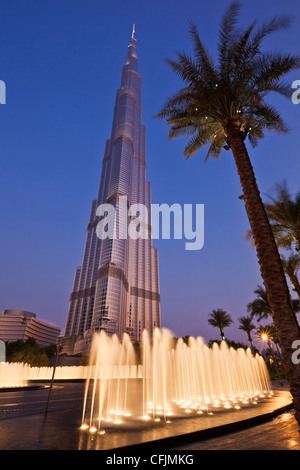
column 281, row 433
column 24, row 425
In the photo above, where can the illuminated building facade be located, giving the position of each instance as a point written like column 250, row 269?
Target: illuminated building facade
column 116, row 289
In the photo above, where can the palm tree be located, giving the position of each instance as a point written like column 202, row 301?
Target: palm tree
column 220, row 105
column 247, row 326
column 284, row 215
column 291, row 266
column 260, row 307
column 220, row 319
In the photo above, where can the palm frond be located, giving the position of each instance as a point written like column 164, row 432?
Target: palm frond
column 277, row 23
column 268, row 117
column 202, row 56
column 227, row 33
column 272, row 67
column 233, row 90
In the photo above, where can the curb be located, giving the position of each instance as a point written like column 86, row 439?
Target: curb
column 24, row 388
column 45, row 383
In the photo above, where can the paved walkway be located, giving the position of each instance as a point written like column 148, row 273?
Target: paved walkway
column 281, row 433
column 258, row 426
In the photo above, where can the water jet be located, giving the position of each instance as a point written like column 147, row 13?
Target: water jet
column 173, row 379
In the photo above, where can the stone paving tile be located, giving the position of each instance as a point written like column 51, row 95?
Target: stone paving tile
column 282, row 433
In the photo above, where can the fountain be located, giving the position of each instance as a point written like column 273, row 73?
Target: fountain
column 12, row 375
column 129, row 398
column 173, row 380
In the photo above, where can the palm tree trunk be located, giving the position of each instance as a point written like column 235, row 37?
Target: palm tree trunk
column 271, row 269
column 295, row 282
column 250, row 341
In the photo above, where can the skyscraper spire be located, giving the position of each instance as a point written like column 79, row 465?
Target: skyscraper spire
column 117, row 287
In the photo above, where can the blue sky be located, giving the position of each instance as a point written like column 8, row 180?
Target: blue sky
column 61, row 61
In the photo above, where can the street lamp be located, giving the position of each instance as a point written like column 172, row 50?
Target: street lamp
column 264, row 336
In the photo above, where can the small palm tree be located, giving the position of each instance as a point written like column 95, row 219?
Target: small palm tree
column 220, row 105
column 260, row 307
column 247, row 326
column 291, row 266
column 284, row 215
column 220, row 319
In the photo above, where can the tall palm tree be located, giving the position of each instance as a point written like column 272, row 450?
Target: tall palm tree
column 220, row 319
column 220, row 105
column 247, row 326
column 291, row 266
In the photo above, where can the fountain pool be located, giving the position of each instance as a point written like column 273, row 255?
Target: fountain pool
column 172, row 380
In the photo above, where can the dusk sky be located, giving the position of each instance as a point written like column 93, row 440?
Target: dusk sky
column 61, row 61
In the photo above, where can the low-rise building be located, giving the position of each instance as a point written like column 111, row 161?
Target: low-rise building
column 20, row 324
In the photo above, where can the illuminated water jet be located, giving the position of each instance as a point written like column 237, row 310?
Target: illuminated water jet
column 173, row 379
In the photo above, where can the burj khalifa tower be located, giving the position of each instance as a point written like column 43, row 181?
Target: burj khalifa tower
column 116, row 289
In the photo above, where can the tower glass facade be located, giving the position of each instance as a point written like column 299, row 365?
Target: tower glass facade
column 116, row 289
